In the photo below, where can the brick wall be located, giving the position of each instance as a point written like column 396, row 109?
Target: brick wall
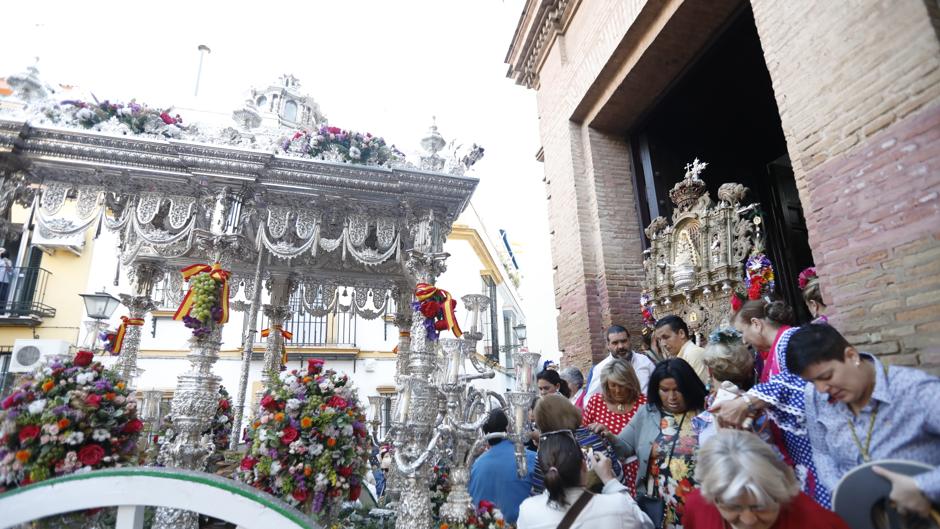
column 596, row 248
column 858, row 89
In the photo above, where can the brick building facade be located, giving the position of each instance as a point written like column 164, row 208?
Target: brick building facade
column 854, row 93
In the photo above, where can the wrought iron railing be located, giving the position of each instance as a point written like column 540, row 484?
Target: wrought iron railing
column 336, row 328
column 23, row 294
column 6, row 378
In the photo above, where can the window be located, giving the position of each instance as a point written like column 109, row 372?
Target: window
column 290, row 111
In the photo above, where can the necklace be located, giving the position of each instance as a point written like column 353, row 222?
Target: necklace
column 863, row 450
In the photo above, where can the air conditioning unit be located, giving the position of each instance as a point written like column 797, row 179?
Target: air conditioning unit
column 27, row 354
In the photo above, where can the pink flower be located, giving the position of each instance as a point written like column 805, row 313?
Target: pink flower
column 289, row 435
column 133, row 426
column 268, row 402
column 168, row 119
column 93, row 400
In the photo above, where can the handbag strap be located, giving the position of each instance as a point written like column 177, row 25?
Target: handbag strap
column 672, row 449
column 575, row 510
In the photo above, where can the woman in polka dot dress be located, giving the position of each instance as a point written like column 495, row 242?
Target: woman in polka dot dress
column 615, row 406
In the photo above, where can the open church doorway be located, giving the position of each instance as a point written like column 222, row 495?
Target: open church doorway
column 722, row 110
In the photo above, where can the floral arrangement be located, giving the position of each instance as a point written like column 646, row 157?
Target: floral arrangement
column 646, row 311
column 440, row 488
column 806, row 276
column 759, row 276
column 437, row 307
column 206, row 302
column 352, row 147
column 309, row 442
column 68, row 416
column 137, row 118
column 486, row 516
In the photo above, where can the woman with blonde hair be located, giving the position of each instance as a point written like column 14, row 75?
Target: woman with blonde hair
column 731, row 368
column 615, row 406
column 744, row 485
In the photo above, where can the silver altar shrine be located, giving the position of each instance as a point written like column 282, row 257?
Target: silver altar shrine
column 278, row 219
column 695, row 262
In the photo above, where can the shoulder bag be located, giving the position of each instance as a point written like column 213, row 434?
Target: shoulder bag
column 653, row 504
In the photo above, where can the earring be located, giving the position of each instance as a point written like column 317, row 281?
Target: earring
column 857, row 363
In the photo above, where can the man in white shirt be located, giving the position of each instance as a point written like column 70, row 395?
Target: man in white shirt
column 673, row 335
column 618, row 345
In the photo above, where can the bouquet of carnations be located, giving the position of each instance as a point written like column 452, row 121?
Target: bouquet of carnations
column 309, row 442
column 486, row 516
column 138, row 119
column 351, row 146
column 759, row 276
column 67, row 416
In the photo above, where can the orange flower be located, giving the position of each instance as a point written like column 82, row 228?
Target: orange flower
column 279, row 416
column 48, row 385
column 256, row 424
column 331, row 442
column 444, row 526
column 23, row 456
column 64, row 423
column 110, row 395
column 308, row 470
column 119, row 385
column 500, row 523
column 306, row 422
column 307, row 380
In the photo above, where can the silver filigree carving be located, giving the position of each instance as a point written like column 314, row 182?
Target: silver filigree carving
column 358, row 230
column 54, row 197
column 277, row 221
column 181, row 209
column 147, row 207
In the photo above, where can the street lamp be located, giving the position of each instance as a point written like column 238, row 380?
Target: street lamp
column 99, row 306
column 520, row 334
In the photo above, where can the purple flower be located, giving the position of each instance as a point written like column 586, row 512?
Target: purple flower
column 102, row 384
column 317, row 502
column 415, row 306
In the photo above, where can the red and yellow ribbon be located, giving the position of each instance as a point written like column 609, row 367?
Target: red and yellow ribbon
column 287, row 335
column 117, row 342
column 217, row 273
column 425, row 291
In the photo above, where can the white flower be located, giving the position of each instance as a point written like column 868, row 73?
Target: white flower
column 51, row 429
column 84, row 113
column 35, row 407
column 292, row 404
column 83, row 379
column 287, row 377
column 74, row 438
column 100, row 434
column 275, row 467
column 347, row 430
column 326, row 385
column 223, row 419
column 316, row 449
column 354, row 153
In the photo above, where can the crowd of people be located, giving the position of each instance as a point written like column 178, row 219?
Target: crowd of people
column 754, row 430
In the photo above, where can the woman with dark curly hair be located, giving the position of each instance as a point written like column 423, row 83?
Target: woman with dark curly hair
column 662, row 438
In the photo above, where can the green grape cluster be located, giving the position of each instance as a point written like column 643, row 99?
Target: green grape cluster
column 205, row 296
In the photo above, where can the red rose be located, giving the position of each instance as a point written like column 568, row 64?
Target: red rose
column 224, row 404
column 430, row 308
column 486, row 505
column 289, row 435
column 83, row 358
column 28, row 433
column 268, row 402
column 133, row 426
column 299, row 495
column 337, row 402
column 167, row 118
column 345, row 471
column 93, row 400
column 440, row 325
column 354, row 492
column 314, row 366
column 90, row 455
column 248, row 463
column 736, row 303
column 9, row 401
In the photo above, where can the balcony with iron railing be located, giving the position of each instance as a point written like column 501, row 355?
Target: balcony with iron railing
column 23, row 296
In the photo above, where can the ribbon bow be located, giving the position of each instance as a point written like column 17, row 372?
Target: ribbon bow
column 425, row 291
column 117, row 338
column 287, row 335
column 215, row 272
